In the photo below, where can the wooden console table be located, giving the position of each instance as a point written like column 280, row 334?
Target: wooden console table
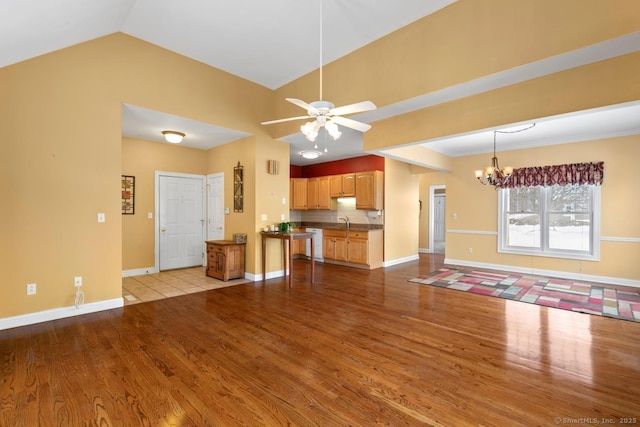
column 287, row 241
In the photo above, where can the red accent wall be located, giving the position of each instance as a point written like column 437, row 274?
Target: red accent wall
column 355, row 164
column 295, row 171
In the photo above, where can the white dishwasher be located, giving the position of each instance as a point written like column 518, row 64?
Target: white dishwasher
column 317, row 244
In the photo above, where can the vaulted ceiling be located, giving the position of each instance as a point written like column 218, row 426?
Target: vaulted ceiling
column 282, row 36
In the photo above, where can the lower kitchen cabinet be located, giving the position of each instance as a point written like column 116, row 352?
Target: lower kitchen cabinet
column 358, row 248
column 225, row 259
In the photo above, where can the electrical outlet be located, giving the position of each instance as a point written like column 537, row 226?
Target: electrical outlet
column 470, row 250
column 31, row 289
column 77, row 281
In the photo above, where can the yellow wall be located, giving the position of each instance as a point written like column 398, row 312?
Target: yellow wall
column 401, row 209
column 62, row 158
column 476, row 207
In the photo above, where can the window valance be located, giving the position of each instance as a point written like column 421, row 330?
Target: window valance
column 571, row 174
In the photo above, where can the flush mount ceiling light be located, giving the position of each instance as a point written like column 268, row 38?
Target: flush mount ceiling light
column 493, row 174
column 325, row 114
column 173, row 136
column 310, row 154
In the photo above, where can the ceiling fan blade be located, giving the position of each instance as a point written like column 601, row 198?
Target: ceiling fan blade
column 284, row 120
column 301, row 104
column 353, row 108
column 353, row 124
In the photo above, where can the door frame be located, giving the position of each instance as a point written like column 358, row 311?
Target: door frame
column 208, row 202
column 158, row 174
column 432, row 197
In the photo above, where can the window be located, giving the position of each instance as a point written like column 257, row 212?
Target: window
column 556, row 221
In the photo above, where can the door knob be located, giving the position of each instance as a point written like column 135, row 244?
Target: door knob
column 163, row 229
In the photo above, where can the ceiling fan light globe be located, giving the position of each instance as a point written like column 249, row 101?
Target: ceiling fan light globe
column 333, row 130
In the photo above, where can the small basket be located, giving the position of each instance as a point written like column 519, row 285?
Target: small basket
column 239, row 237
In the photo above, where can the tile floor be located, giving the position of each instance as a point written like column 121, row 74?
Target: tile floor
column 171, row 283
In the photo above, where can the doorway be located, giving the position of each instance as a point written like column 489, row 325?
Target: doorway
column 437, row 217
column 180, row 220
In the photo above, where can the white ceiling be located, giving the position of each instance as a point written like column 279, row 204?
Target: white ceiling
column 283, row 37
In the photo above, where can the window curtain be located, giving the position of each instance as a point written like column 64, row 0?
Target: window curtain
column 572, row 174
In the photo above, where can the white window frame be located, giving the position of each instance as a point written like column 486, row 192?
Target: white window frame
column 544, row 250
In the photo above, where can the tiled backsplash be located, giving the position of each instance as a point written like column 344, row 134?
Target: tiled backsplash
column 346, row 207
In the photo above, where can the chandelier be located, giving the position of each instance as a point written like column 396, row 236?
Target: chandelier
column 494, row 175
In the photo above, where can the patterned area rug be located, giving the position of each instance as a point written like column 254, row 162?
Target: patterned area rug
column 598, row 299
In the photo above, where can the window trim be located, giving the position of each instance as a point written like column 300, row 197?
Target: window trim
column 544, row 250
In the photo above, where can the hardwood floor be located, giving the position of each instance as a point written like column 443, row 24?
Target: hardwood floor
column 356, row 348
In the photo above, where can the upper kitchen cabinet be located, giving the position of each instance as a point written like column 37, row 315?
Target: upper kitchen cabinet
column 318, row 193
column 298, row 194
column 369, row 190
column 343, row 185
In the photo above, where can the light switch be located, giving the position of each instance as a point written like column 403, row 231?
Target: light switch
column 150, row 215
column 263, row 217
column 284, row 200
column 226, row 211
column 101, row 217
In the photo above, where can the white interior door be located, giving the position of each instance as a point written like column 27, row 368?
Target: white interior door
column 438, row 218
column 215, row 230
column 181, row 221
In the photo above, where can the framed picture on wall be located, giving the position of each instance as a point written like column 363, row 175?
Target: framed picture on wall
column 128, row 194
column 238, row 188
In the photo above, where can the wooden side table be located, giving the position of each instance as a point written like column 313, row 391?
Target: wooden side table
column 287, row 243
column 225, row 259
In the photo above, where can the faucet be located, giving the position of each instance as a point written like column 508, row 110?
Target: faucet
column 346, row 221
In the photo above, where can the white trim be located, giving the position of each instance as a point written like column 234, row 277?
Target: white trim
column 487, row 233
column 140, row 271
column 400, row 260
column 495, row 233
column 425, row 251
column 59, row 313
column 620, row 239
column 554, row 273
column 253, row 277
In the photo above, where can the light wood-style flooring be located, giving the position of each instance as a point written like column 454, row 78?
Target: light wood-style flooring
column 359, row 348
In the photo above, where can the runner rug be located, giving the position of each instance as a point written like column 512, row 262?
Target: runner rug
column 599, row 299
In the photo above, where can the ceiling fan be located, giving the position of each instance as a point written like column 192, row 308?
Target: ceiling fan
column 324, row 113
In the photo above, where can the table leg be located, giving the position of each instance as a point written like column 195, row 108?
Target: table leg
column 284, row 256
column 290, row 240
column 313, row 261
column 264, row 258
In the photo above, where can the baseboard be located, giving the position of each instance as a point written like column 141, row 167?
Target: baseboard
column 425, row 251
column 400, row 260
column 59, row 313
column 552, row 273
column 140, row 271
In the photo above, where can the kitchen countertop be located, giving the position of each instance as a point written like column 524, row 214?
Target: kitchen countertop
column 340, row 226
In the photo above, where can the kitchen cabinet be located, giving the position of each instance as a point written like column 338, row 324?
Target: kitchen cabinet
column 318, row 195
column 225, row 259
column 358, row 248
column 343, row 185
column 369, row 190
column 298, row 194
